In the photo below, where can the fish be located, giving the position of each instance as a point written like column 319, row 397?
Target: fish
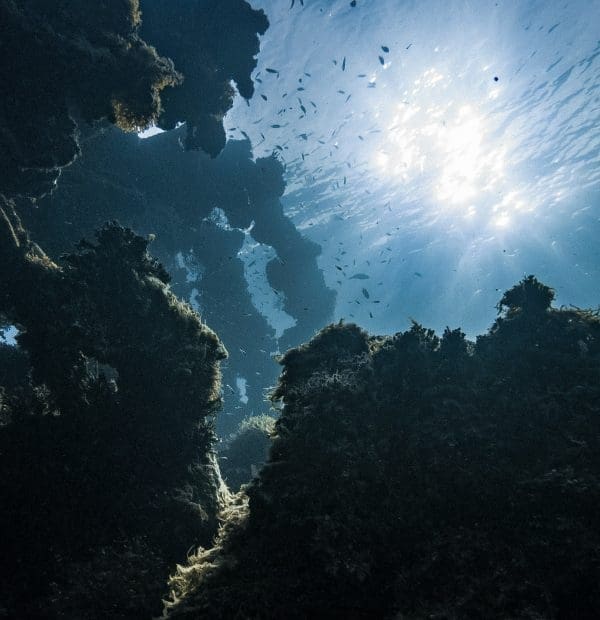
column 264, row 97
column 359, row 276
column 382, row 60
column 385, row 48
column 344, row 64
column 269, row 70
column 365, row 293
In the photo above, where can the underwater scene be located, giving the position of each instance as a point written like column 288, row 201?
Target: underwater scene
column 299, row 309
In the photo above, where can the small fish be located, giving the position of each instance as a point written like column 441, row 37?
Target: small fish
column 276, row 126
column 353, row 3
column 269, row 70
column 359, row 276
column 365, row 293
column 264, row 97
column 419, row 275
column 344, row 64
column 382, row 60
column 385, row 49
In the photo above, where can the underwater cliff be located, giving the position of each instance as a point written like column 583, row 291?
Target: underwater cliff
column 188, row 426
column 417, row 476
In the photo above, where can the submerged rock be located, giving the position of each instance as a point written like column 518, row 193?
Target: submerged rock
column 244, row 453
column 108, row 470
column 415, row 476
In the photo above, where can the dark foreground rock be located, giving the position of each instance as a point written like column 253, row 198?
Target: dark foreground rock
column 106, row 431
column 422, row 477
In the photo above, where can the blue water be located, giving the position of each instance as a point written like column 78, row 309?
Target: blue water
column 445, row 168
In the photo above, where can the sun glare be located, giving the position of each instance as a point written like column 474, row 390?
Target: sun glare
column 441, row 149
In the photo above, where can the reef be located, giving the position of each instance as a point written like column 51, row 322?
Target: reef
column 106, row 444
column 212, row 42
column 65, row 65
column 243, row 453
column 417, row 476
column 63, row 60
column 198, row 218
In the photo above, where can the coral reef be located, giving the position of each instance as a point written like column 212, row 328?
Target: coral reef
column 109, row 475
column 418, row 476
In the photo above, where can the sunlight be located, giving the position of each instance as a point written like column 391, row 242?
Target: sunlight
column 443, row 150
